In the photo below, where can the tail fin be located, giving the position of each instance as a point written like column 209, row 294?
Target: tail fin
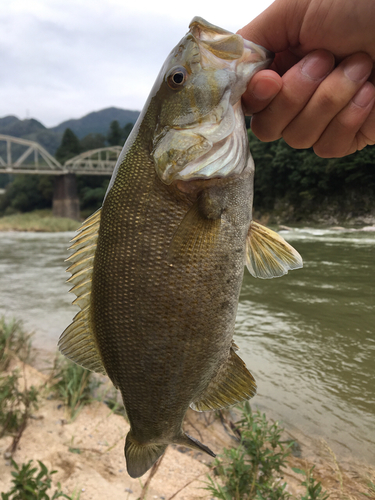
column 141, row 457
column 190, row 442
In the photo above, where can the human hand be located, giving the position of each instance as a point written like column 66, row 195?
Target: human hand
column 307, row 100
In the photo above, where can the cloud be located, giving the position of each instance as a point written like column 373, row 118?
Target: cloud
column 63, row 59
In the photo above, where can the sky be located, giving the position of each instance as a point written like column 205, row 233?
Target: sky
column 62, row 59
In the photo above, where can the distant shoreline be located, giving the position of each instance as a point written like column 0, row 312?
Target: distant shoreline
column 44, row 221
column 37, row 221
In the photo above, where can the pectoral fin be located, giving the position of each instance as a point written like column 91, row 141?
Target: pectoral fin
column 196, row 234
column 232, row 384
column 268, row 255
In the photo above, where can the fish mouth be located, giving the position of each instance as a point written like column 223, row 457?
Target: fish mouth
column 214, row 143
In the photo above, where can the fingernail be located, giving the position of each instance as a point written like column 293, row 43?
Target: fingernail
column 357, row 70
column 317, row 65
column 365, row 95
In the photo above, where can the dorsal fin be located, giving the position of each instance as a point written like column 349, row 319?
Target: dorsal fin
column 268, row 255
column 77, row 342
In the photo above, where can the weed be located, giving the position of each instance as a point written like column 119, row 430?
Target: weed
column 371, row 489
column 13, row 342
column 31, row 484
column 74, row 384
column 252, row 470
column 248, row 472
column 313, row 488
column 15, row 407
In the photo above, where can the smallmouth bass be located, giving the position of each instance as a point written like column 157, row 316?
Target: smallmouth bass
column 157, row 271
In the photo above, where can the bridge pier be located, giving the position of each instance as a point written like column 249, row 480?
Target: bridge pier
column 65, row 198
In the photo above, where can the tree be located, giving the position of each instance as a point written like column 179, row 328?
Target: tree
column 127, row 129
column 115, row 134
column 92, row 141
column 28, row 192
column 69, row 146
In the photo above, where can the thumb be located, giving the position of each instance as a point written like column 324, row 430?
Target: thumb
column 278, row 27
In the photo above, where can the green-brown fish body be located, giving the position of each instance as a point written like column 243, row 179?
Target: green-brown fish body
column 158, row 270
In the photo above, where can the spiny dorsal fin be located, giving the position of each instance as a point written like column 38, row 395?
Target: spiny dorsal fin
column 195, row 234
column 77, row 342
column 268, row 255
column 232, row 384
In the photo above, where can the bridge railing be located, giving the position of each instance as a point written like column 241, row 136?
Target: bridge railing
column 21, row 156
column 26, row 157
column 94, row 162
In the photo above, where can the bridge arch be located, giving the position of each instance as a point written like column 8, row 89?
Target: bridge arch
column 21, row 156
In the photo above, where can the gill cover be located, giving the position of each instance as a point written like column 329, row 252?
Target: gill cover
column 200, row 132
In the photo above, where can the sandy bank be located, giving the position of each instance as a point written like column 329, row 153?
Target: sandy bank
column 88, row 455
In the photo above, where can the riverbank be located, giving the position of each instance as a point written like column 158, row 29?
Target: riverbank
column 44, row 221
column 37, row 221
column 88, row 452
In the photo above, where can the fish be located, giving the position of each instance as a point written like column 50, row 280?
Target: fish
column 157, row 270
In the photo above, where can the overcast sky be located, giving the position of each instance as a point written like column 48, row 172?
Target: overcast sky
column 62, row 59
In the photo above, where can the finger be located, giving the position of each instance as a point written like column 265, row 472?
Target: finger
column 299, row 84
column 352, row 129
column 263, row 87
column 332, row 96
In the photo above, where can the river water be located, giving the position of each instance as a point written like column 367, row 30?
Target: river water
column 308, row 337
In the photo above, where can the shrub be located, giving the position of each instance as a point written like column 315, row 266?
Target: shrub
column 31, row 484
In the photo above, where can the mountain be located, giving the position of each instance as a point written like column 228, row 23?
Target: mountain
column 97, row 122
column 11, row 125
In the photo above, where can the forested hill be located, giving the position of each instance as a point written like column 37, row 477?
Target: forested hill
column 296, row 185
column 97, row 122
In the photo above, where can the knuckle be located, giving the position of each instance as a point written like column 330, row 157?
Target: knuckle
column 328, row 149
column 264, row 130
column 297, row 139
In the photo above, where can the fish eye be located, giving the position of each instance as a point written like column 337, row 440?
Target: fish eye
column 177, row 77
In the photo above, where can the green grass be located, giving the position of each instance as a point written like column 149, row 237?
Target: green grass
column 15, row 407
column 73, row 384
column 39, row 221
column 14, row 342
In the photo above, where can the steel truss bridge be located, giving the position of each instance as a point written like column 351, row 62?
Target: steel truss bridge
column 20, row 156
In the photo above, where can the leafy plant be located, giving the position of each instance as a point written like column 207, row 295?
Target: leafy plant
column 74, row 384
column 31, row 484
column 13, row 342
column 248, row 472
column 15, row 407
column 313, row 487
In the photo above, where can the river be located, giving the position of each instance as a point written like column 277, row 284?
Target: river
column 308, row 337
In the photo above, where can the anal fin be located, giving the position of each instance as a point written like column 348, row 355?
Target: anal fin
column 232, row 384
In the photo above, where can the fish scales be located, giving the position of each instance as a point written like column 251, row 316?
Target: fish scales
column 158, row 269
column 155, row 314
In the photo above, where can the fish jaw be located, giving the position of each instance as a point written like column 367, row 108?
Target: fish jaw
column 192, row 138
